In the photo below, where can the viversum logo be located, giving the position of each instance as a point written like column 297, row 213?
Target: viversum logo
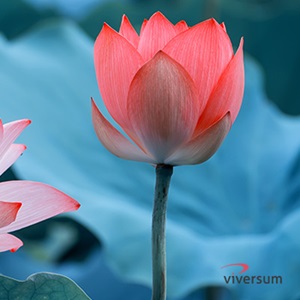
column 245, row 279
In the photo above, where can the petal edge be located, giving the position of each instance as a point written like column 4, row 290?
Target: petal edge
column 9, row 242
column 116, row 62
column 127, row 30
column 11, row 131
column 9, row 211
column 162, row 106
column 204, row 50
column 204, row 146
column 10, row 156
column 155, row 34
column 39, row 202
column 113, row 140
column 227, row 94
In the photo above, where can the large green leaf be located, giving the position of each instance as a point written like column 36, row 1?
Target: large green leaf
column 41, row 286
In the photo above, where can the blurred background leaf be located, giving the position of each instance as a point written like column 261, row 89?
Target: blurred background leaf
column 269, row 29
column 16, row 16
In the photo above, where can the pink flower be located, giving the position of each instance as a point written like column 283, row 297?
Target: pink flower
column 174, row 90
column 23, row 203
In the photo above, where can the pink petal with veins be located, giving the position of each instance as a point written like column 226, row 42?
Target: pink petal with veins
column 10, row 132
column 39, row 202
column 227, row 94
column 143, row 26
column 155, row 35
column 10, row 156
column 181, row 26
column 116, row 62
column 8, row 212
column 162, row 106
column 204, row 51
column 202, row 147
column 127, row 30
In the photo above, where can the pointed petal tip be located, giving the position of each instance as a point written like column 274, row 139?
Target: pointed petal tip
column 158, row 14
column 18, row 205
column 223, row 26
column 128, row 31
column 160, row 54
column 9, row 134
column 95, row 112
column 181, row 22
column 17, row 247
column 159, row 17
column 159, row 30
column 39, row 202
column 125, row 19
column 74, row 205
column 214, row 23
column 241, row 42
column 20, row 148
column 181, row 26
column 143, row 26
column 106, row 30
column 13, row 250
column 240, row 50
column 105, row 25
column 24, row 122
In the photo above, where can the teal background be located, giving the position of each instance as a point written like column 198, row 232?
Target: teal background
column 240, row 206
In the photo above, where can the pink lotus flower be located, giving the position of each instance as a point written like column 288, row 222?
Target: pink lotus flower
column 175, row 90
column 23, row 203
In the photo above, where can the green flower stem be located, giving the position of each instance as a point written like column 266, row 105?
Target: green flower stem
column 163, row 177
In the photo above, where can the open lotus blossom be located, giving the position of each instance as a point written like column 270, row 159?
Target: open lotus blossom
column 23, row 203
column 174, row 90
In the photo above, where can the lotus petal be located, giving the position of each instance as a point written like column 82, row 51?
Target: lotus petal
column 162, row 106
column 214, row 52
